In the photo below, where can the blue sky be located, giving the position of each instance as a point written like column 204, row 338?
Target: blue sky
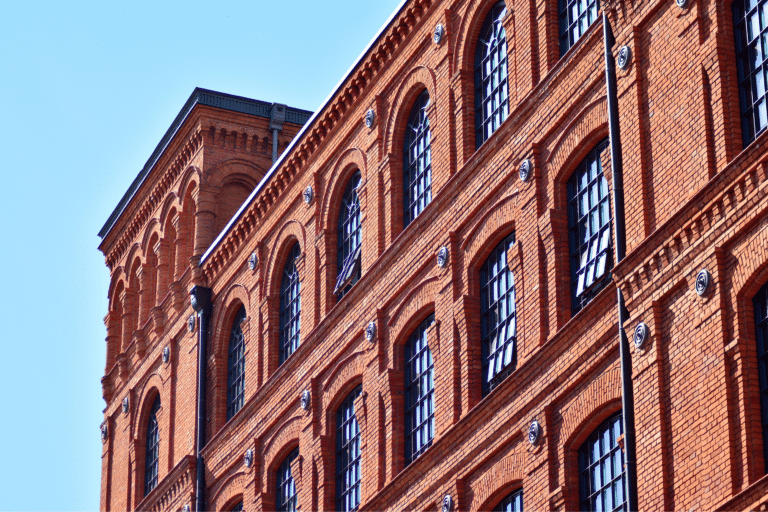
column 88, row 89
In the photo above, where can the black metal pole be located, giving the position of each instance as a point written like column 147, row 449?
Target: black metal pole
column 201, row 303
column 617, row 177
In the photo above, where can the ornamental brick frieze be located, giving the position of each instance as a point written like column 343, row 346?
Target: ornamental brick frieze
column 708, row 218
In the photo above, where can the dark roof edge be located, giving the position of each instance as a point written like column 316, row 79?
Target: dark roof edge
column 199, row 97
column 299, row 136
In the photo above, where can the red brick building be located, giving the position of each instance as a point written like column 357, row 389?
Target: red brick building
column 407, row 300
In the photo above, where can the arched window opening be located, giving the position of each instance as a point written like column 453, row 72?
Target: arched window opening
column 491, row 92
column 238, row 507
column 419, row 393
column 750, row 25
column 498, row 319
column 512, row 503
column 589, row 229
column 601, row 468
column 286, row 488
column 760, row 304
column 417, row 160
column 348, row 454
column 575, row 18
column 290, row 306
column 350, row 238
column 152, row 455
column 236, row 366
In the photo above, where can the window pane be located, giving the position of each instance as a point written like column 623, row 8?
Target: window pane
column 491, row 102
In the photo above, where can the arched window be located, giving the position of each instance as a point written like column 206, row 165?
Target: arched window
column 236, row 366
column 152, row 455
column 575, row 18
column 238, row 507
column 751, row 31
column 290, row 306
column 512, row 503
column 419, row 391
column 350, row 238
column 348, row 454
column 491, row 93
column 589, row 229
column 498, row 321
column 601, row 468
column 760, row 303
column 286, row 488
column 417, row 160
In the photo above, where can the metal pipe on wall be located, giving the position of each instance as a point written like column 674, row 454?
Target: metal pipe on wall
column 201, row 303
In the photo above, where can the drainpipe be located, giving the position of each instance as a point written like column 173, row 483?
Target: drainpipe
column 617, row 176
column 276, row 120
column 201, row 303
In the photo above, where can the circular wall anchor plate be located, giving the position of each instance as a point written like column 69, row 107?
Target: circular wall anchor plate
column 191, row 323
column 447, row 504
column 253, row 260
column 442, row 257
column 641, row 334
column 248, row 459
column 370, row 330
column 702, row 282
column 126, row 404
column 306, row 399
column 308, row 194
column 104, row 433
column 370, row 118
column 437, row 35
column 166, row 353
column 533, row 432
column 625, row 57
column 526, row 170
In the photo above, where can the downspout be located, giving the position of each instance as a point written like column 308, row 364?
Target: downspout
column 276, row 120
column 617, row 177
column 201, row 303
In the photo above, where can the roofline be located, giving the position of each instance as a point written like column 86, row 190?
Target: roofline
column 204, row 97
column 299, row 136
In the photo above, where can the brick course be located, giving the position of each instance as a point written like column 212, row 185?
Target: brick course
column 694, row 199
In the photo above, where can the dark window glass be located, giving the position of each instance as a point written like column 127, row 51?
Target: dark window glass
column 512, row 503
column 348, row 454
column 750, row 23
column 417, row 160
column 286, row 489
column 589, row 229
column 419, row 391
column 290, row 306
column 498, row 322
column 760, row 303
column 575, row 18
column 238, row 507
column 350, row 238
column 236, row 366
column 491, row 93
column 601, row 469
column 152, row 458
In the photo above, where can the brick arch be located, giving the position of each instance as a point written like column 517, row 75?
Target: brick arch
column 345, row 377
column 277, row 449
column 221, row 173
column 600, row 399
column 578, row 137
column 503, row 478
column 172, row 202
column 135, row 252
column 153, row 227
column 190, row 179
column 228, row 492
column 417, row 79
column 290, row 233
column 118, row 276
column 145, row 397
column 468, row 31
column 349, row 161
column 229, row 303
column 412, row 310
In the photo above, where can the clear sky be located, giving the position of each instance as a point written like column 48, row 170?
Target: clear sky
column 87, row 90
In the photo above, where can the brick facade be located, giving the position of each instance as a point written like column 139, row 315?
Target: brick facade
column 695, row 199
